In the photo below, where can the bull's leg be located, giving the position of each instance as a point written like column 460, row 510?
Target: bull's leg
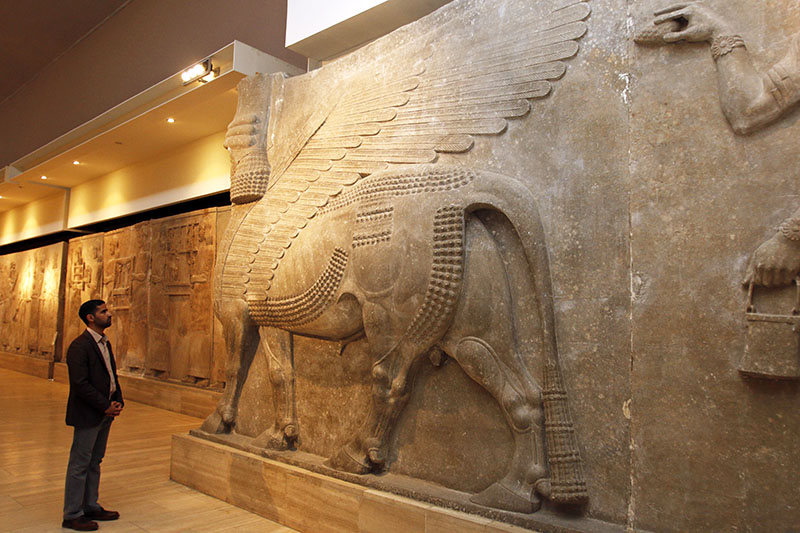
column 366, row 451
column 241, row 341
column 498, row 351
column 520, row 400
column 391, row 386
column 278, row 348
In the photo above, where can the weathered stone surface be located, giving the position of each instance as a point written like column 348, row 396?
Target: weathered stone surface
column 157, row 277
column 702, row 199
column 126, row 283
column 30, row 299
column 84, row 281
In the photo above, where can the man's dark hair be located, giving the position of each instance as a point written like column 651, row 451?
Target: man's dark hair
column 88, row 308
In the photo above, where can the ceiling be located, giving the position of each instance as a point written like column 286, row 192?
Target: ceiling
column 34, row 33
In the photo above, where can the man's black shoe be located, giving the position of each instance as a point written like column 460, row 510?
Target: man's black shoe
column 80, row 524
column 102, row 514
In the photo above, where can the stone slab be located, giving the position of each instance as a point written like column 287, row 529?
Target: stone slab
column 309, row 501
column 60, row 373
column 173, row 397
column 40, row 368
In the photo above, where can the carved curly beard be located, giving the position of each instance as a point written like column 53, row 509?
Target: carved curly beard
column 250, row 177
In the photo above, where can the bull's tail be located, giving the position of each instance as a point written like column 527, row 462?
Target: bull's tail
column 567, row 483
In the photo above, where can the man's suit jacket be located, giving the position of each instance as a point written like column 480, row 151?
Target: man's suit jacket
column 89, row 382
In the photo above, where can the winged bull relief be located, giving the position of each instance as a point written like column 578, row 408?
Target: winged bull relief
column 345, row 226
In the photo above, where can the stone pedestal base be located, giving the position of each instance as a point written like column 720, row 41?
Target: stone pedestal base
column 309, row 501
column 162, row 394
column 41, row 368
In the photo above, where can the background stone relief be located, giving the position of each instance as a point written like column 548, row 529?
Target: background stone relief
column 30, row 284
column 84, row 281
column 157, row 278
column 126, row 266
column 183, row 249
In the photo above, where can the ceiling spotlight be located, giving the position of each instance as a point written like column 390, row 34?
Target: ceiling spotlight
column 44, row 177
column 203, row 72
column 170, row 120
column 76, row 162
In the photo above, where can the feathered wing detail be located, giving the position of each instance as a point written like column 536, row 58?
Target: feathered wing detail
column 402, row 116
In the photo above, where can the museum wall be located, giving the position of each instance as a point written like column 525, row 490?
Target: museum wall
column 157, row 277
column 652, row 207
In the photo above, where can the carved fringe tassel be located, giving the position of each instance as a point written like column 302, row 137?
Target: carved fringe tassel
column 567, row 481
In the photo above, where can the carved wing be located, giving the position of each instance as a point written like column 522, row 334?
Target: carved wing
column 469, row 82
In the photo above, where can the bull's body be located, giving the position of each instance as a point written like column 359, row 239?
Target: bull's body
column 420, row 260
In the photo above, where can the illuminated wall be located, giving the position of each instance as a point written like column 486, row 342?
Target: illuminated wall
column 30, row 302
column 157, row 278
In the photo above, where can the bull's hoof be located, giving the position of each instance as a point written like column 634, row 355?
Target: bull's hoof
column 347, row 460
column 228, row 413
column 277, row 439
column 498, row 496
column 214, row 424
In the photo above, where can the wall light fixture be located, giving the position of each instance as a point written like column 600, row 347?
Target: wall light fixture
column 202, row 72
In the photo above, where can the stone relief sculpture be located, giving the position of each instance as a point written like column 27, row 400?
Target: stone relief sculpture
column 30, row 283
column 750, row 100
column 84, row 279
column 9, row 278
column 345, row 226
column 126, row 266
column 163, row 270
column 183, row 259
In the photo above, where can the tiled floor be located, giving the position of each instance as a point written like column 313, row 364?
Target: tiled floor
column 34, row 445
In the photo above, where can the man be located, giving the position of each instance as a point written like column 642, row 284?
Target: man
column 750, row 100
column 94, row 401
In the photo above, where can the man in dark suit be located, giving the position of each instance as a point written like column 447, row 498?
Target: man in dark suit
column 94, row 401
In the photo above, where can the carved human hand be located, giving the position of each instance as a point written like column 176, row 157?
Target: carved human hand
column 703, row 24
column 242, row 134
column 776, row 262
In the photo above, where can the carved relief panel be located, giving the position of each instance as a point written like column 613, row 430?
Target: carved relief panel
column 181, row 322
column 126, row 266
column 84, row 281
column 157, row 279
column 29, row 300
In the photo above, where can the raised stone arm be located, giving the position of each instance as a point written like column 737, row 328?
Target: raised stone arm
column 750, row 99
column 777, row 261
